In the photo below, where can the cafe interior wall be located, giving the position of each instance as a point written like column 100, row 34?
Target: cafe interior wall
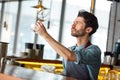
column 99, row 38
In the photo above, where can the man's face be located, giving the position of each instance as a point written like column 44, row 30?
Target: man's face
column 78, row 27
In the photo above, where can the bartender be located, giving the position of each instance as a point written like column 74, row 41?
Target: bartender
column 82, row 60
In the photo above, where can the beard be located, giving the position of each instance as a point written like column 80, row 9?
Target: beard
column 78, row 33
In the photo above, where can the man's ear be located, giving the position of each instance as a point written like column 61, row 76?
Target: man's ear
column 89, row 29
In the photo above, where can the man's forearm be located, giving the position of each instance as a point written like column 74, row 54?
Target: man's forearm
column 60, row 49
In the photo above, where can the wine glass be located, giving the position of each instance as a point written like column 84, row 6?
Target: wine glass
column 42, row 15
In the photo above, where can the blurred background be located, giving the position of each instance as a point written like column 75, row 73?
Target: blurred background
column 17, row 16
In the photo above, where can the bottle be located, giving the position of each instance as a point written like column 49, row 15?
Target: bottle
column 117, row 52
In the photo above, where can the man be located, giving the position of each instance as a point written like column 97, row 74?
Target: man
column 83, row 60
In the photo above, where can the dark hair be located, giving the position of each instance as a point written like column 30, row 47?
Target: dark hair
column 90, row 20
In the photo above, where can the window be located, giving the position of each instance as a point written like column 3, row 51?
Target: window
column 53, row 30
column 27, row 17
column 72, row 9
column 10, row 12
column 102, row 13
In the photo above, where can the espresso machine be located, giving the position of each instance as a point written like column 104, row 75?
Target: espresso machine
column 36, row 52
column 3, row 54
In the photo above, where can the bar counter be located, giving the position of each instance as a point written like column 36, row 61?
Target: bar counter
column 7, row 77
column 29, row 74
column 36, row 64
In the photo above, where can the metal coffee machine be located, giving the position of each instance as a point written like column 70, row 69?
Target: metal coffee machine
column 108, row 58
column 3, row 54
column 39, row 51
column 36, row 52
column 29, row 50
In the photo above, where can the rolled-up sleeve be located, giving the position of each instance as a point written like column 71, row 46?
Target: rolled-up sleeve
column 90, row 55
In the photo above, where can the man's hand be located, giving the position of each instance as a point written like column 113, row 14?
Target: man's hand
column 59, row 48
column 40, row 28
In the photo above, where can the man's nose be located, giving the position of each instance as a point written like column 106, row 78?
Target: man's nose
column 73, row 25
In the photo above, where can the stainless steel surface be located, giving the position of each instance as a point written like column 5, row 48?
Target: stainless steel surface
column 3, row 64
column 3, row 49
column 3, row 53
column 29, row 74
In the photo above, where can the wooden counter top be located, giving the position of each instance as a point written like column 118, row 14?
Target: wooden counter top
column 7, row 77
column 32, row 59
column 39, row 60
column 36, row 64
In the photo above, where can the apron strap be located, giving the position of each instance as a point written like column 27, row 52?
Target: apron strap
column 88, row 44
